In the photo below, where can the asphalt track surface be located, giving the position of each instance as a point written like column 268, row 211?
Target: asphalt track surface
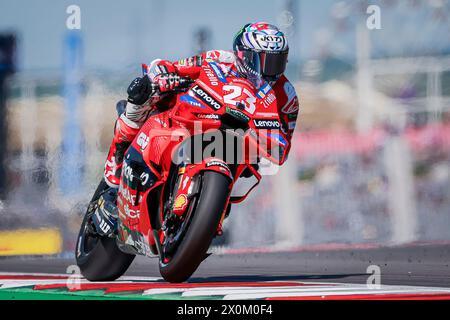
column 419, row 265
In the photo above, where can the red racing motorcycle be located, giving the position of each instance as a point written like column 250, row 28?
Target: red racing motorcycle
column 179, row 173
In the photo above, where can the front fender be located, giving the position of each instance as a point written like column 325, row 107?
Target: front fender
column 187, row 180
column 217, row 165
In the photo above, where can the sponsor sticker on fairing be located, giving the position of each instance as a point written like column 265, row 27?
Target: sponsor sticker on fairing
column 269, row 99
column 211, row 75
column 188, row 99
column 218, row 72
column 142, row 141
column 205, row 97
column 263, row 91
column 210, row 116
column 237, row 114
column 266, row 114
column 131, row 213
column 180, row 202
column 127, row 195
column 266, row 124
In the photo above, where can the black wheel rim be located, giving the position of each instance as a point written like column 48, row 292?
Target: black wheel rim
column 174, row 239
column 87, row 239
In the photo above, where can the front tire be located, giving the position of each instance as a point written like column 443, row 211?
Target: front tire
column 201, row 230
column 99, row 258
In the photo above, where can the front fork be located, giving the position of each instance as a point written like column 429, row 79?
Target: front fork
column 186, row 187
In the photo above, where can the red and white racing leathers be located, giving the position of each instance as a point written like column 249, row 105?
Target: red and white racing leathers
column 130, row 122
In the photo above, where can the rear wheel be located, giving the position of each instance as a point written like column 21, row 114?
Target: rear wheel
column 99, row 258
column 193, row 240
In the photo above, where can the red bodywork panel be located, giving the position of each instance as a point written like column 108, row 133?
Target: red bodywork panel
column 148, row 161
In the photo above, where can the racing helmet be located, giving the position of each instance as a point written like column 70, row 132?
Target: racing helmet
column 261, row 51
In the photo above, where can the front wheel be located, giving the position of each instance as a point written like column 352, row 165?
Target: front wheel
column 99, row 258
column 201, row 230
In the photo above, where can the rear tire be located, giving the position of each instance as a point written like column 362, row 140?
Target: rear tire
column 99, row 258
column 201, row 230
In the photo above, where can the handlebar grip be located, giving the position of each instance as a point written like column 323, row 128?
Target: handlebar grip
column 184, row 83
column 154, row 87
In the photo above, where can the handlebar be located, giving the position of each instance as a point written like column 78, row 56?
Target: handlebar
column 185, row 82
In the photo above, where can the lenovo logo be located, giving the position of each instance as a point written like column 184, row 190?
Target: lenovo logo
column 266, row 124
column 205, row 97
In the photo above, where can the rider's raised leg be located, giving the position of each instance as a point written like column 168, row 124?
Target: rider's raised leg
column 124, row 133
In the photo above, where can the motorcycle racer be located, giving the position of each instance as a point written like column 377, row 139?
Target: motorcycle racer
column 188, row 132
column 260, row 52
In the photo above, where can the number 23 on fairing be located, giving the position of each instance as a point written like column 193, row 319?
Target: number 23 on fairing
column 237, row 95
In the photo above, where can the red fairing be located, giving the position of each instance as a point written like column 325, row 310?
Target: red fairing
column 288, row 104
column 269, row 114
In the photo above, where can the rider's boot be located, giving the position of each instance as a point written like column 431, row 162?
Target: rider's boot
column 124, row 134
column 105, row 216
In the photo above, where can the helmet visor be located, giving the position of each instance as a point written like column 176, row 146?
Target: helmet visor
column 265, row 63
column 273, row 63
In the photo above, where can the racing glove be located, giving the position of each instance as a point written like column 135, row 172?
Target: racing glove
column 139, row 90
column 167, row 81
